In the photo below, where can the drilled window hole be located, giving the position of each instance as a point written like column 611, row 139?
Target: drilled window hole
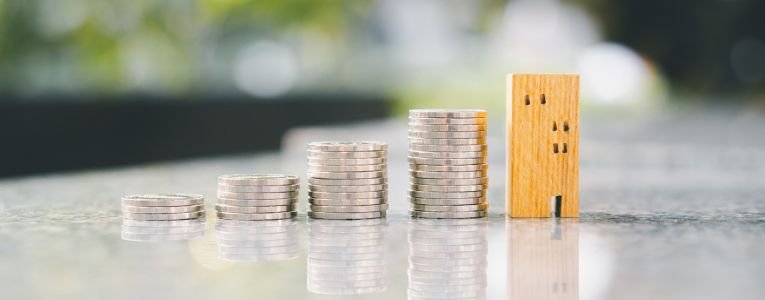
column 565, row 125
column 565, row 148
column 544, row 99
column 527, row 100
column 555, row 126
column 555, row 148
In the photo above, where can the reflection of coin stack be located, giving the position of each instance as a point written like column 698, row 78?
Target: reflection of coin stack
column 257, row 197
column 447, row 259
column 257, row 241
column 447, row 163
column 346, row 257
column 163, row 207
column 145, row 231
column 347, row 180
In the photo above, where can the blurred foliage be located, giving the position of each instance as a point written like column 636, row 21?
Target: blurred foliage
column 101, row 46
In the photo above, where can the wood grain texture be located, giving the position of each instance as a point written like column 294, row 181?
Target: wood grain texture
column 543, row 144
column 543, row 259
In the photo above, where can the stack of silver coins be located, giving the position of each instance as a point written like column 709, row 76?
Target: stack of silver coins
column 163, row 207
column 447, row 259
column 347, row 180
column 246, row 241
column 147, row 231
column 257, row 197
column 346, row 257
column 447, row 163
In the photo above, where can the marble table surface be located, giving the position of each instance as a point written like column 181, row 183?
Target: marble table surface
column 672, row 208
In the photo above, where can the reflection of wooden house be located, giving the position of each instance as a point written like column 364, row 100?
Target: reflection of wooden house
column 543, row 262
column 543, row 145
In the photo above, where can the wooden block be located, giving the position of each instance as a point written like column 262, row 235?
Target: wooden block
column 542, row 145
column 543, row 259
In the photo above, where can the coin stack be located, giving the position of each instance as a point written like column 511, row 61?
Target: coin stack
column 163, row 207
column 447, row 163
column 347, row 180
column 346, row 257
column 257, row 197
column 447, row 259
column 246, row 241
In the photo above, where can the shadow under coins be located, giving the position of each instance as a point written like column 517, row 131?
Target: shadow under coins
column 248, row 241
column 447, row 259
column 543, row 258
column 346, row 257
column 152, row 231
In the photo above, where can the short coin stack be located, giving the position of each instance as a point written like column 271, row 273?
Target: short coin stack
column 163, row 207
column 257, row 197
column 347, row 180
column 447, row 163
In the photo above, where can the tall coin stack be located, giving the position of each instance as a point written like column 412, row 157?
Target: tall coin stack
column 447, row 163
column 257, row 197
column 347, row 180
column 163, row 207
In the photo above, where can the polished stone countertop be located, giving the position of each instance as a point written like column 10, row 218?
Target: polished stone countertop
column 672, row 208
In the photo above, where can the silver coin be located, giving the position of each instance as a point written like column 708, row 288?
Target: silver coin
column 447, row 142
column 447, row 161
column 161, row 209
column 447, row 113
column 447, row 188
column 447, row 134
column 347, row 189
column 348, row 202
column 346, row 161
column 256, row 196
column 257, row 217
column 345, row 182
column 442, row 155
column 450, row 208
column 249, row 203
column 163, row 200
column 447, row 215
column 253, row 209
column 447, row 201
column 447, row 121
column 348, row 146
column 463, row 168
column 446, row 181
column 258, row 179
column 258, row 188
column 345, row 154
column 345, row 216
column 469, row 174
column 347, row 175
column 354, row 168
column 446, row 127
column 345, row 196
column 163, row 217
column 447, row 195
column 349, row 208
column 448, row 148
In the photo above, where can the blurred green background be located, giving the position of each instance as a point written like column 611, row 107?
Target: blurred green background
column 634, row 56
